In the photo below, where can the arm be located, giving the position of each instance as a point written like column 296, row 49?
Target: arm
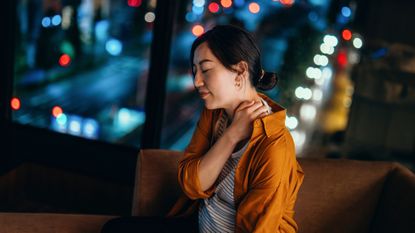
column 262, row 209
column 201, row 165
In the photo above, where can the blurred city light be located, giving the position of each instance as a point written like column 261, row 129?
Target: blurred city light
column 346, row 12
column 254, row 7
column 313, row 73
column 90, row 128
column 346, row 34
column 113, row 47
column 149, row 17
column 291, row 122
column 56, row 20
column 198, row 30
column 213, row 7
column 75, row 125
column 357, row 42
column 64, row 60
column 308, row 112
column 134, row 3
column 56, row 111
column 303, row 93
column 46, row 22
column 320, row 60
column 330, row 40
column 15, row 103
column 226, row 3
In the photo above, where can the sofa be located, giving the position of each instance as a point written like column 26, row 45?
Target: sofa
column 337, row 195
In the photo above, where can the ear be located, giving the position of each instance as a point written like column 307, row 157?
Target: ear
column 242, row 71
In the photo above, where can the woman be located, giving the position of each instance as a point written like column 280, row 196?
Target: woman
column 239, row 173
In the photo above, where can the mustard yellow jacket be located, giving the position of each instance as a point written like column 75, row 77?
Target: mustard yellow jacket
column 267, row 177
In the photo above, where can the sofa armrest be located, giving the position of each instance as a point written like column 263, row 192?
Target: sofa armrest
column 395, row 211
column 51, row 223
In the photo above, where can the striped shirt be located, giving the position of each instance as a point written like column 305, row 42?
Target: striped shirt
column 217, row 213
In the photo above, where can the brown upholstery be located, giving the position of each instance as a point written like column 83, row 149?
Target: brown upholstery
column 51, row 223
column 337, row 195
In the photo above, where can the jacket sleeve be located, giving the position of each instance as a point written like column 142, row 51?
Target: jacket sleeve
column 188, row 166
column 262, row 208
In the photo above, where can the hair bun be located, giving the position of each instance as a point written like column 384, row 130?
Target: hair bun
column 267, row 81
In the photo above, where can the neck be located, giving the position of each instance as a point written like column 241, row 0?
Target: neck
column 250, row 96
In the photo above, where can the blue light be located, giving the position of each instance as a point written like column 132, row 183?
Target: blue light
column 239, row 3
column 56, row 20
column 90, row 128
column 197, row 10
column 190, row 17
column 61, row 119
column 113, row 47
column 346, row 12
column 46, row 22
column 313, row 16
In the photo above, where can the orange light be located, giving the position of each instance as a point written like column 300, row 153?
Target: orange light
column 254, row 7
column 64, row 60
column 198, row 30
column 15, row 104
column 56, row 111
column 347, row 34
column 213, row 7
column 226, row 3
column 287, row 2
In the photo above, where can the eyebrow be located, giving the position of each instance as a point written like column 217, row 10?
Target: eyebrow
column 203, row 61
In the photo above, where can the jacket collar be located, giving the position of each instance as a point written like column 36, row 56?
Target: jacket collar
column 273, row 122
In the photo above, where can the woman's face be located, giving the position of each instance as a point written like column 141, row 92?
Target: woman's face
column 215, row 83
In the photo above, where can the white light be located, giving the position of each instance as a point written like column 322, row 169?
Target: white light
column 313, row 73
column 308, row 112
column 124, row 116
column 56, row 20
column 321, row 60
column 291, row 122
column 326, row 49
column 75, row 125
column 357, row 42
column 330, row 40
column 199, row 3
column 303, row 93
column 326, row 73
column 149, row 17
column 317, row 95
column 299, row 138
column 299, row 92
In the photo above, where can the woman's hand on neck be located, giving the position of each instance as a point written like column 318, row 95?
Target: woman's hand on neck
column 250, row 96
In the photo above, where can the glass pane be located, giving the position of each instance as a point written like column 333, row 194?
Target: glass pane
column 289, row 34
column 81, row 67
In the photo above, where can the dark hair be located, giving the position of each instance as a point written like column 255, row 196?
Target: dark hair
column 232, row 44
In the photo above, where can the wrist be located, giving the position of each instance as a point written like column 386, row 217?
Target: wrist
column 231, row 137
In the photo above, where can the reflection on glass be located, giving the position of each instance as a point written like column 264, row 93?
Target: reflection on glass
column 81, row 66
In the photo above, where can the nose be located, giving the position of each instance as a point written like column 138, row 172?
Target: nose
column 198, row 80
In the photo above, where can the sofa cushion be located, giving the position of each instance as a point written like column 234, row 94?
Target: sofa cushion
column 339, row 195
column 51, row 223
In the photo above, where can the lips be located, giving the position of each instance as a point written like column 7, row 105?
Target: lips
column 203, row 94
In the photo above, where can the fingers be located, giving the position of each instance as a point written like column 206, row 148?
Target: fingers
column 260, row 112
column 243, row 105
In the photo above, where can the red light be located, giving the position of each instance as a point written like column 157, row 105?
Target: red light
column 287, row 2
column 134, row 3
column 198, row 30
column 226, row 3
column 15, row 104
column 56, row 111
column 254, row 7
column 64, row 60
column 342, row 59
column 213, row 7
column 347, row 34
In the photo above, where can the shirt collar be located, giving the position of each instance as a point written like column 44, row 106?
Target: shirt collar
column 273, row 122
